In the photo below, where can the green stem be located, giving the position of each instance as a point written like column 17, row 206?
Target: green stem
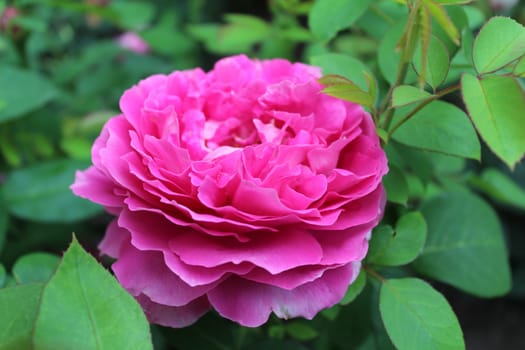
column 380, row 13
column 408, row 40
column 374, row 274
column 401, row 74
column 419, row 107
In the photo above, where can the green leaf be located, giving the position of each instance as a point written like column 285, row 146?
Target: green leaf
column 500, row 187
column 500, row 41
column 406, row 94
column 439, row 127
column 416, row 316
column 327, row 17
column 3, row 276
column 519, row 69
column 437, row 63
column 345, row 89
column 42, row 193
column 459, row 17
column 301, row 331
column 388, row 56
column 76, row 147
column 496, row 105
column 475, row 15
column 467, row 41
column 244, row 29
column 331, row 313
column 132, row 15
column 355, row 288
column 22, row 92
column 162, row 36
column 453, row 2
column 35, row 267
column 4, row 220
column 343, row 65
column 378, row 18
column 82, row 293
column 19, row 305
column 441, row 16
column 397, row 247
column 396, row 185
column 237, row 36
column 465, row 246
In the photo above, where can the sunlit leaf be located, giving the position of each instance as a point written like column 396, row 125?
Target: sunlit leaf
column 519, row 69
column 388, row 56
column 496, row 105
column 19, row 305
column 500, row 41
column 345, row 89
column 439, row 13
column 439, row 127
column 82, row 293
column 406, row 94
column 436, row 64
column 343, row 65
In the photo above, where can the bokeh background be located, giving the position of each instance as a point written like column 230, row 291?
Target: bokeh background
column 64, row 65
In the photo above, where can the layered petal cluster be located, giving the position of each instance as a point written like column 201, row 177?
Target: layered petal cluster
column 244, row 189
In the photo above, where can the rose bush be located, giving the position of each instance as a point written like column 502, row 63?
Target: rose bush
column 244, row 189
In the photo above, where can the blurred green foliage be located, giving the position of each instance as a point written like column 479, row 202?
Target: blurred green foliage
column 63, row 70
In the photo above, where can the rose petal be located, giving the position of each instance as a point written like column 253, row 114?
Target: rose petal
column 114, row 238
column 250, row 303
column 95, row 186
column 145, row 272
column 274, row 252
column 173, row 316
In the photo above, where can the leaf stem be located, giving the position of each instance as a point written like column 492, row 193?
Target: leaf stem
column 401, row 73
column 374, row 274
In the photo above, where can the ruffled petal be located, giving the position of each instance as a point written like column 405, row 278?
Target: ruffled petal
column 173, row 316
column 145, row 272
column 274, row 252
column 250, row 303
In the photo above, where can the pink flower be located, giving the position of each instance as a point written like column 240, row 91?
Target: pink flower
column 244, row 189
column 133, row 42
column 7, row 18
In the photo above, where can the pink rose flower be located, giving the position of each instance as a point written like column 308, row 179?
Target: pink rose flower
column 133, row 42
column 244, row 189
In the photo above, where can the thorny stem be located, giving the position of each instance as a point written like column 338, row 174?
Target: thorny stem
column 419, row 107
